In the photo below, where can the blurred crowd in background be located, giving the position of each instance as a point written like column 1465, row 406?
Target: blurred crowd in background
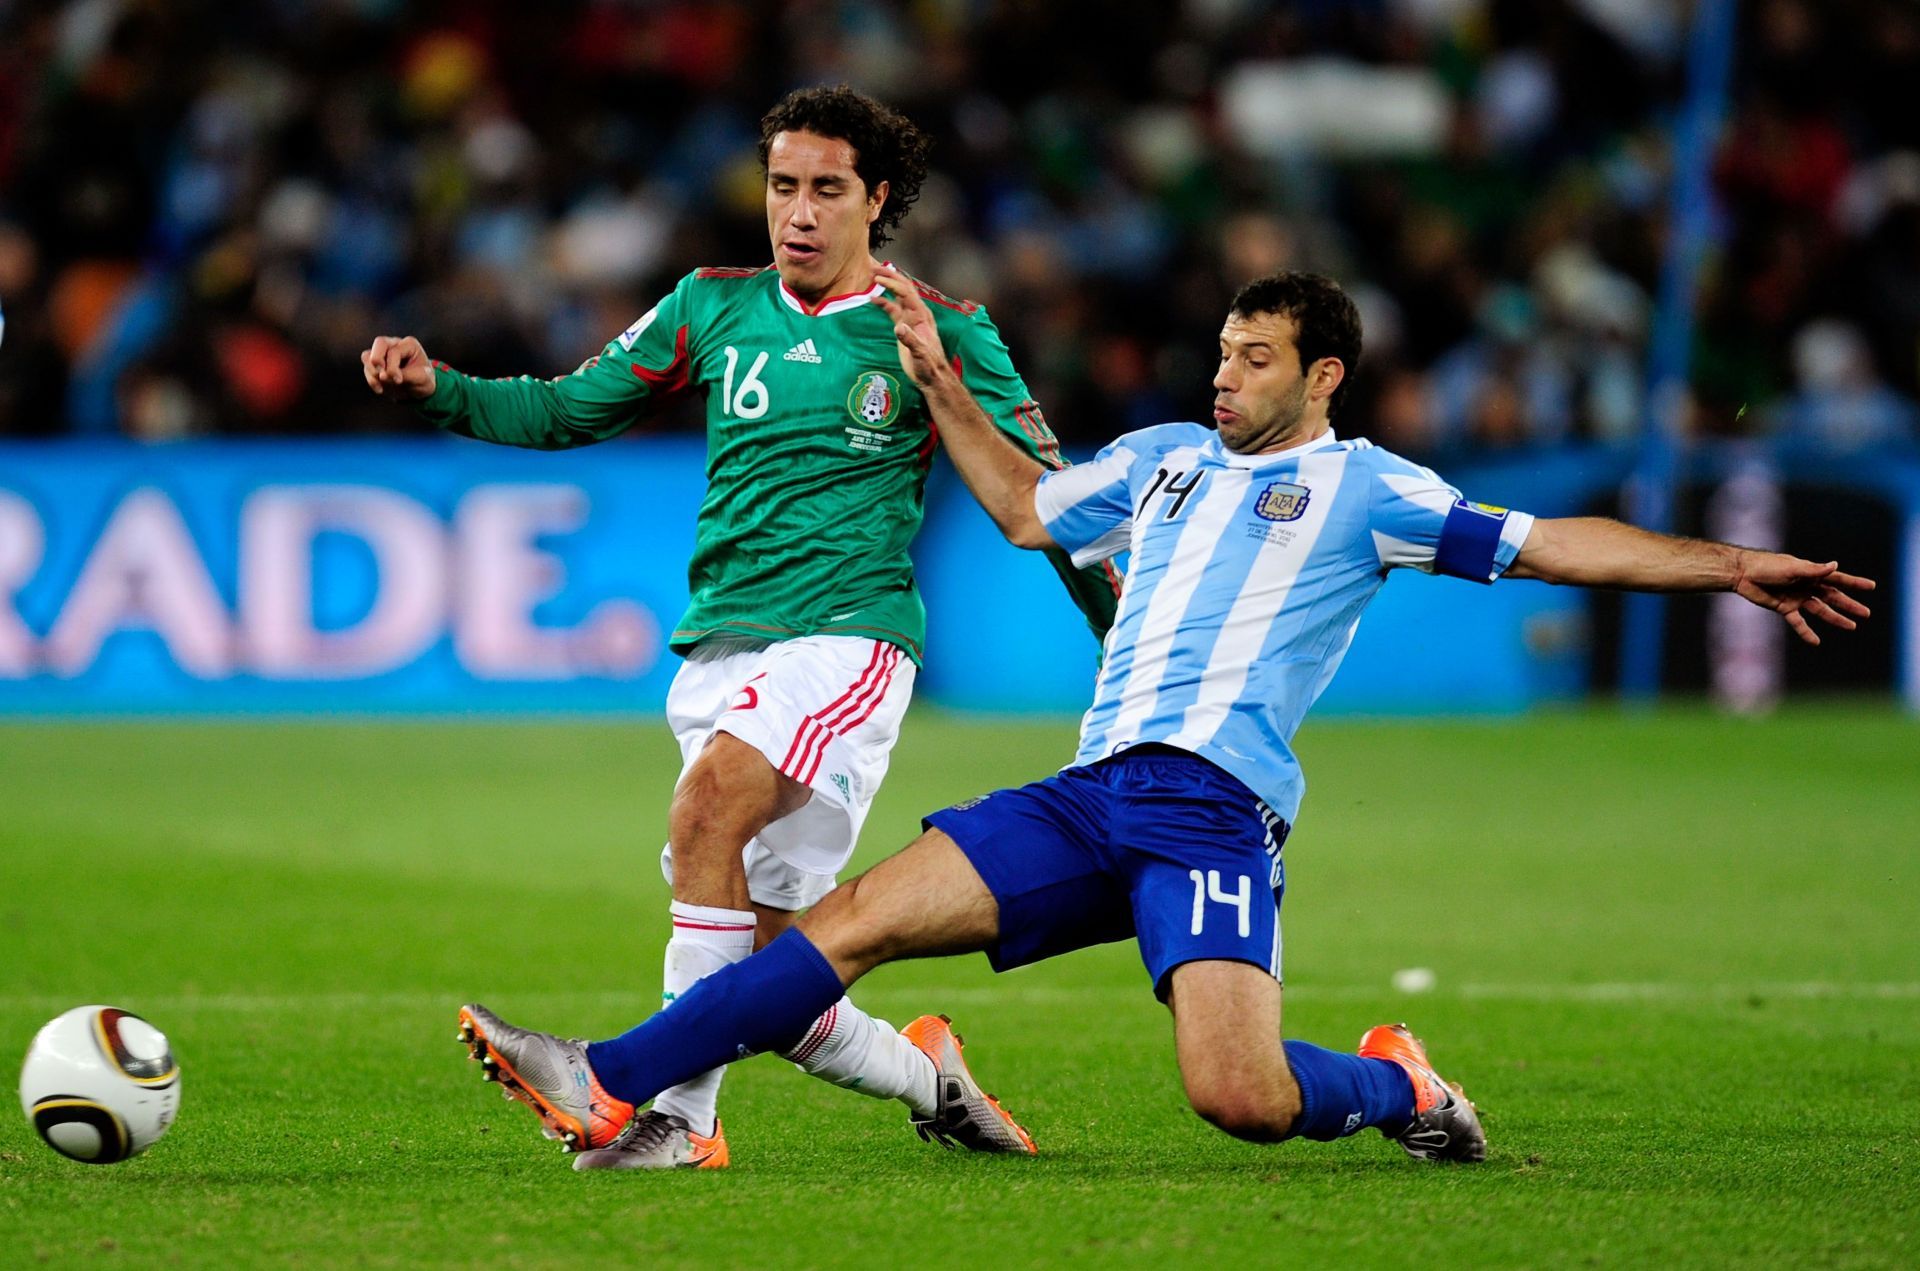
column 207, row 210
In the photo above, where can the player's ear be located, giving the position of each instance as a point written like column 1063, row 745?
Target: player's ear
column 877, row 199
column 1324, row 376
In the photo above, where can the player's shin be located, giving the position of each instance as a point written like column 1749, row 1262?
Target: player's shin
column 705, row 939
column 855, row 1051
column 766, row 1002
column 1343, row 1094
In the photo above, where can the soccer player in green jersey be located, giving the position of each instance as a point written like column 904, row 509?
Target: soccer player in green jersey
column 805, row 629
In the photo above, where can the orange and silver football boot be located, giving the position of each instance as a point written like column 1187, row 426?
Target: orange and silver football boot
column 965, row 1114
column 1446, row 1125
column 549, row 1074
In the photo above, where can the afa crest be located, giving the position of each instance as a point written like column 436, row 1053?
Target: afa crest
column 1283, row 501
column 874, row 399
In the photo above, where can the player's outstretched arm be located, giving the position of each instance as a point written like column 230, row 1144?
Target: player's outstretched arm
column 592, row 404
column 1593, row 551
column 1001, row 477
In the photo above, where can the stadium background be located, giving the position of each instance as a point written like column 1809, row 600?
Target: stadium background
column 205, row 213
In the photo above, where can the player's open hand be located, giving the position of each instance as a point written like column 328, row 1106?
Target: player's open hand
column 922, row 356
column 1796, row 589
column 396, row 366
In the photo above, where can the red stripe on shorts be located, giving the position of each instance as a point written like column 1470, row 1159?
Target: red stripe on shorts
column 821, row 730
column 796, row 751
column 846, row 720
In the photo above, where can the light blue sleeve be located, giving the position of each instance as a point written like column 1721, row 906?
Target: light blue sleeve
column 1088, row 508
column 1419, row 521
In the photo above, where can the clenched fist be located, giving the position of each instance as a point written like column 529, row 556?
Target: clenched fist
column 396, row 365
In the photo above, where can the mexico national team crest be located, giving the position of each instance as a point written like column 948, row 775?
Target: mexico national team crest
column 1283, row 501
column 874, row 400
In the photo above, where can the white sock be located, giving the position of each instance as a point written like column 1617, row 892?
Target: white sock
column 704, row 940
column 855, row 1051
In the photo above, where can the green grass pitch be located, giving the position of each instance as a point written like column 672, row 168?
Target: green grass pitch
column 1677, row 959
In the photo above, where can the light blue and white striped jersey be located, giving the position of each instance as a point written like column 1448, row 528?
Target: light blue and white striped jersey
column 1247, row 579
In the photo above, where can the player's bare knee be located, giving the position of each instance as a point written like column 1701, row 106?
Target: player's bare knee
column 703, row 818
column 847, row 930
column 1249, row 1106
column 870, row 927
column 1254, row 1115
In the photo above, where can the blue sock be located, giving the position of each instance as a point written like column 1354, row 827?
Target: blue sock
column 1341, row 1094
column 763, row 1002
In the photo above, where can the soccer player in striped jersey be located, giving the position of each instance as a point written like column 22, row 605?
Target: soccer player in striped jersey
column 805, row 628
column 1255, row 545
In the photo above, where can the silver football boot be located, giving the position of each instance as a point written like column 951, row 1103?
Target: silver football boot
column 549, row 1074
column 658, row 1140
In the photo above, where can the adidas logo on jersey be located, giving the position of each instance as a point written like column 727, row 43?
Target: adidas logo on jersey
column 803, row 352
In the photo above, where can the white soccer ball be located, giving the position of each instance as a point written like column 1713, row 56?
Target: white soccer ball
column 100, row 1084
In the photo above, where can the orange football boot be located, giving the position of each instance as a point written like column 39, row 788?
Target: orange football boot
column 1446, row 1125
column 965, row 1114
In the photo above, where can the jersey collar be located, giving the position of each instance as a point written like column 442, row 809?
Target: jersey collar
column 831, row 305
column 1234, row 458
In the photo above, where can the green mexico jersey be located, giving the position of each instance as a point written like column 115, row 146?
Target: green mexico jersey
column 817, row 448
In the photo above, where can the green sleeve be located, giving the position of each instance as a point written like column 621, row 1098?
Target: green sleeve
column 987, row 370
column 641, row 368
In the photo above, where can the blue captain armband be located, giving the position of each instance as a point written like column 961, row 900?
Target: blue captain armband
column 1471, row 540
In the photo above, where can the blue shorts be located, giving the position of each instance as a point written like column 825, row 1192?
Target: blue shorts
column 1154, row 843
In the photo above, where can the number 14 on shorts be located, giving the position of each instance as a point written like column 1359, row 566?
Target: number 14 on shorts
column 1207, row 887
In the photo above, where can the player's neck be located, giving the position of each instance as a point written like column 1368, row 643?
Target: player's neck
column 856, row 278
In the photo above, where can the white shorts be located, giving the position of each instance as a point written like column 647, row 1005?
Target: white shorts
column 824, row 710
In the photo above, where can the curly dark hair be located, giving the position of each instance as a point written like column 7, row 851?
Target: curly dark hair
column 1326, row 322
column 886, row 145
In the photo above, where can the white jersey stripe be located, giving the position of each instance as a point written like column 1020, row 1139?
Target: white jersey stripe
column 1168, row 601
column 1259, row 606
column 1113, row 501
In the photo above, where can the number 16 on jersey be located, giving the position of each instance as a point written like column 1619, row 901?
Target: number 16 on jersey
column 751, row 401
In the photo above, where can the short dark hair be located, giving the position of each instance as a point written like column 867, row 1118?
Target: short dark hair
column 886, row 145
column 1324, row 317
